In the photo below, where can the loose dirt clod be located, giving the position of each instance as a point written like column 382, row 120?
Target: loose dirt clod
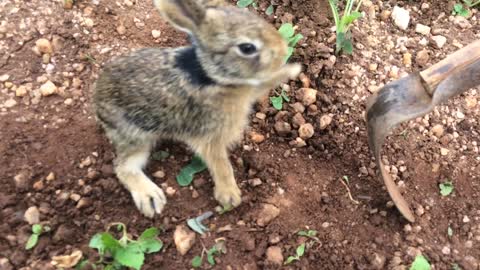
column 308, row 96
column 184, row 239
column 67, row 261
column 324, row 121
column 44, row 46
column 267, row 213
column 306, row 131
column 274, row 255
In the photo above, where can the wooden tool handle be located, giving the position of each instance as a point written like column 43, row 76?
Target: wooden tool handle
column 455, row 63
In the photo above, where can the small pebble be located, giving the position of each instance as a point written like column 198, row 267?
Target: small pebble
column 159, row 174
column 156, row 33
column 401, row 17
column 32, row 215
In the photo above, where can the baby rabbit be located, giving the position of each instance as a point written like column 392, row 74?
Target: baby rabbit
column 200, row 94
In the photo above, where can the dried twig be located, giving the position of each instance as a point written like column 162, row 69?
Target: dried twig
column 349, row 193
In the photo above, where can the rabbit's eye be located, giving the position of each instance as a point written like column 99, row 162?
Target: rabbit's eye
column 247, row 48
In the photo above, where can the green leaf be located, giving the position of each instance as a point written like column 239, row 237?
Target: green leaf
column 211, row 259
column 185, row 177
column 160, row 155
column 459, row 9
column 290, row 259
column 149, row 233
column 347, row 20
column 284, row 95
column 289, row 53
column 347, row 46
column 292, row 42
column 103, row 242
column 109, row 267
column 37, row 229
column 130, row 256
column 269, row 10
column 244, row 3
column 420, row 263
column 456, row 267
column 196, row 262
column 449, row 231
column 225, row 209
column 82, row 264
column 32, row 241
column 309, row 233
column 286, row 31
column 150, row 245
column 277, row 102
column 301, row 250
column 446, row 188
column 210, row 255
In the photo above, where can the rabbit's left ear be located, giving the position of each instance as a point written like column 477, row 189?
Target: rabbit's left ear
column 184, row 14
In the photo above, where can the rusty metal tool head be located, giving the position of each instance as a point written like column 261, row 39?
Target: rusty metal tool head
column 414, row 96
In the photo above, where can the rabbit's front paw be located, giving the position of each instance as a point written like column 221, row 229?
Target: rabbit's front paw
column 148, row 197
column 228, row 195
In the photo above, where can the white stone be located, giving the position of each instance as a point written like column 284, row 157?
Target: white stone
column 4, row 77
column 439, row 41
column 10, row 103
column 48, row 89
column 422, row 29
column 156, row 33
column 401, row 17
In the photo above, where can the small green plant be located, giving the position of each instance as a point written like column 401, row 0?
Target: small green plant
column 342, row 24
column 125, row 252
column 298, row 254
column 463, row 9
column 246, row 3
column 312, row 239
column 405, row 134
column 269, row 10
column 420, row 263
column 287, row 31
column 37, row 230
column 446, row 188
column 160, row 155
column 456, row 267
column 216, row 250
column 310, row 234
column 185, row 177
column 277, row 101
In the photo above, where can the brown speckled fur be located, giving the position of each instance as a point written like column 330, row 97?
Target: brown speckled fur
column 201, row 94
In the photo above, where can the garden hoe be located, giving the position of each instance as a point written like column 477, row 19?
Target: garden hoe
column 414, row 96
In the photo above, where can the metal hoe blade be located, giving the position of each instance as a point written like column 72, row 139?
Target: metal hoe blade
column 403, row 100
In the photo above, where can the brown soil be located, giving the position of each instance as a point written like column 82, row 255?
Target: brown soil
column 40, row 137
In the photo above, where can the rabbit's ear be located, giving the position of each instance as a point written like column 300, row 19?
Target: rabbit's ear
column 184, row 14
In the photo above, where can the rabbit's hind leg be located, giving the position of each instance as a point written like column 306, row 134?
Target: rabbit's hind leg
column 215, row 155
column 132, row 156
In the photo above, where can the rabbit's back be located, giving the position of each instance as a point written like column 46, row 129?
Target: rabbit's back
column 157, row 90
